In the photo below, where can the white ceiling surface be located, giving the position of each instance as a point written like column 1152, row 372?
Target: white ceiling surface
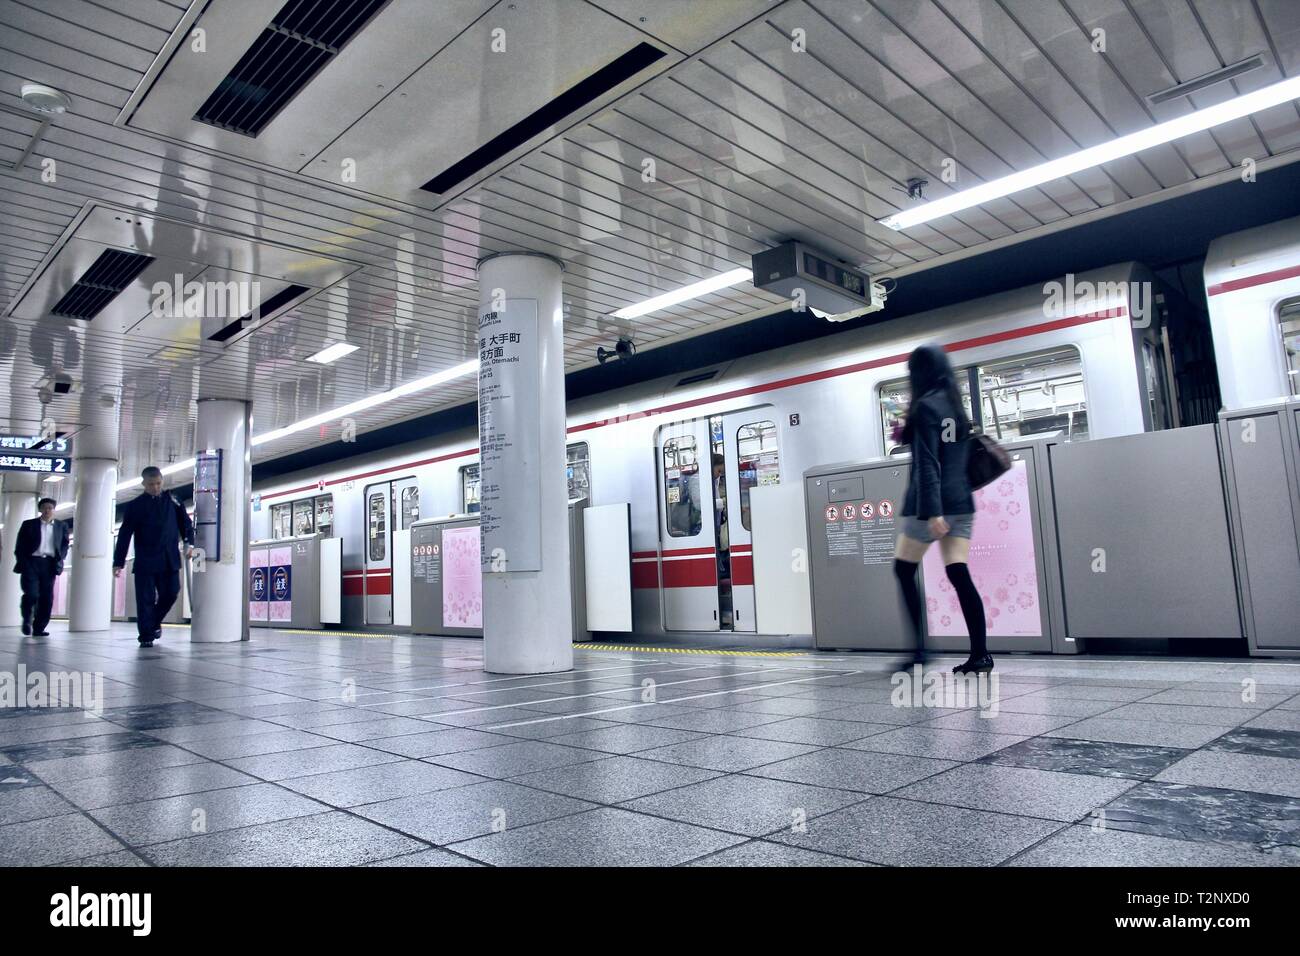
column 754, row 143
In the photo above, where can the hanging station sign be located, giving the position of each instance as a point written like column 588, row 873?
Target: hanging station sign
column 35, row 455
column 509, row 402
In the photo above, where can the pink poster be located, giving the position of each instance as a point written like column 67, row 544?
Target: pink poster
column 280, row 583
column 259, row 587
column 1001, row 565
column 462, row 578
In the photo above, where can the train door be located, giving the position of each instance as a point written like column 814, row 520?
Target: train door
column 752, row 458
column 689, row 576
column 389, row 505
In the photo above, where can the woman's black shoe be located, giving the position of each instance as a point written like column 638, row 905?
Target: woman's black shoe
column 975, row 665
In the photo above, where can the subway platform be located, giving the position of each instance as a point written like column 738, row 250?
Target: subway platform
column 310, row 749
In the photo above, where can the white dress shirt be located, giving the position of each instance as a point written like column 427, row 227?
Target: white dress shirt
column 46, row 550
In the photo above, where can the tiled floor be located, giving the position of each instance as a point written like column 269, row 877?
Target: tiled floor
column 306, row 749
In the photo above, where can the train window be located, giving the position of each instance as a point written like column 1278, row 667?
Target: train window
column 325, row 514
column 303, row 517
column 760, row 462
column 377, row 512
column 1289, row 321
column 895, row 396
column 280, row 518
column 410, row 506
column 1031, row 394
column 579, row 471
column 682, row 487
column 469, row 489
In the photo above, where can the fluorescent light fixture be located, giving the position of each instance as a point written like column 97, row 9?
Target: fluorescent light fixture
column 54, row 479
column 332, row 353
column 1194, row 122
column 352, row 408
column 692, row 291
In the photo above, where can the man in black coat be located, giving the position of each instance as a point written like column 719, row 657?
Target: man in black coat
column 39, row 552
column 158, row 523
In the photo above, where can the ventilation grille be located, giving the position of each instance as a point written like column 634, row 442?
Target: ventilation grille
column 112, row 272
column 277, row 301
column 570, row 101
column 697, row 378
column 302, row 38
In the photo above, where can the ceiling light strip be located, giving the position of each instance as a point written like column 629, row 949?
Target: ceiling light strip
column 685, row 293
column 1127, row 145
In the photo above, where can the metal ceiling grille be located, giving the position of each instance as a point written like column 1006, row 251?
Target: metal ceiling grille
column 570, row 101
column 269, row 307
column 302, row 38
column 112, row 272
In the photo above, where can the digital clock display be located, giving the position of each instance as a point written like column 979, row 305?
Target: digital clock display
column 849, row 281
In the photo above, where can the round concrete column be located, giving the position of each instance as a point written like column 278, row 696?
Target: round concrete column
column 527, row 615
column 90, row 590
column 17, row 504
column 219, row 600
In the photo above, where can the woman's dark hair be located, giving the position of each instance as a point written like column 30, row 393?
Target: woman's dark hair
column 929, row 370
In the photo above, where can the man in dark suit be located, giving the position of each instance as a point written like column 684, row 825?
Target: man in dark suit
column 158, row 523
column 39, row 552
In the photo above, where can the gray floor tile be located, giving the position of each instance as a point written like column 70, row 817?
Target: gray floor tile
column 513, row 759
column 1236, row 771
column 325, row 839
column 31, row 803
column 315, row 760
column 386, row 781
column 902, row 833
column 726, row 753
column 446, row 740
column 1002, row 722
column 853, row 770
column 1084, row 845
column 752, row 806
column 789, row 707
column 603, row 837
column 363, row 730
column 763, row 853
column 1219, row 716
column 427, row 858
column 1018, row 790
column 1085, row 691
column 1276, row 719
column 61, row 839
column 122, row 858
column 175, row 818
column 626, row 738
column 447, row 816
column 713, row 721
column 886, row 714
column 92, row 793
column 237, row 728
column 62, row 731
column 816, row 731
column 1149, row 732
column 1217, row 698
column 1045, row 705
column 252, row 745
column 614, row 779
column 548, row 730
column 108, row 764
column 925, row 741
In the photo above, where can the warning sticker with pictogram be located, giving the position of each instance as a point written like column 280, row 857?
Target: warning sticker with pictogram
column 868, row 509
column 849, row 513
column 832, row 513
column 886, row 509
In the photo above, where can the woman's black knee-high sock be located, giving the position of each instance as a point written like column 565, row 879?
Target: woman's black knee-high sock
column 905, row 571
column 972, row 608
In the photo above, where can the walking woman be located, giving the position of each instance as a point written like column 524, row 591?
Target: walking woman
column 939, row 505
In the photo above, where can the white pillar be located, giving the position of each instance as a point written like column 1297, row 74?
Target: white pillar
column 219, row 600
column 90, row 590
column 17, row 504
column 527, row 615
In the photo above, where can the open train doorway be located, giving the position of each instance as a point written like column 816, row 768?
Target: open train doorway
column 390, row 506
column 707, row 467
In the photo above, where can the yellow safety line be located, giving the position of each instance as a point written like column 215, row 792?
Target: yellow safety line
column 687, row 650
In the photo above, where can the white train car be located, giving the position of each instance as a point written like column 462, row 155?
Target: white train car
column 1252, row 288
column 1082, row 357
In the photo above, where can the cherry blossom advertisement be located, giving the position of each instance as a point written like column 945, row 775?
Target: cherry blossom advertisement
column 1002, row 565
column 462, row 578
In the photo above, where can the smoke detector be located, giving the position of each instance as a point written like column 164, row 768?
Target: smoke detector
column 45, row 99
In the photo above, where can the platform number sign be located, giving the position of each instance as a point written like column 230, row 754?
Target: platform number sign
column 794, row 419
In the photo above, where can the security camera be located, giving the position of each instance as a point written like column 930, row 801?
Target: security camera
column 623, row 350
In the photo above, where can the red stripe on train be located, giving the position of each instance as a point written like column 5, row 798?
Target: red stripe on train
column 742, row 569
column 691, row 573
column 1249, row 282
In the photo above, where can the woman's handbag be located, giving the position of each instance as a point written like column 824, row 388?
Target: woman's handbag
column 986, row 462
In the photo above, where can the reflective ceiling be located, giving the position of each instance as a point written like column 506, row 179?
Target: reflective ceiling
column 757, row 121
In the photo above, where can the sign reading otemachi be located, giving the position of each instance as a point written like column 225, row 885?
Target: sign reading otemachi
column 509, row 403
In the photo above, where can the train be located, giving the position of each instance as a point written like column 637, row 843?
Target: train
column 1111, row 352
